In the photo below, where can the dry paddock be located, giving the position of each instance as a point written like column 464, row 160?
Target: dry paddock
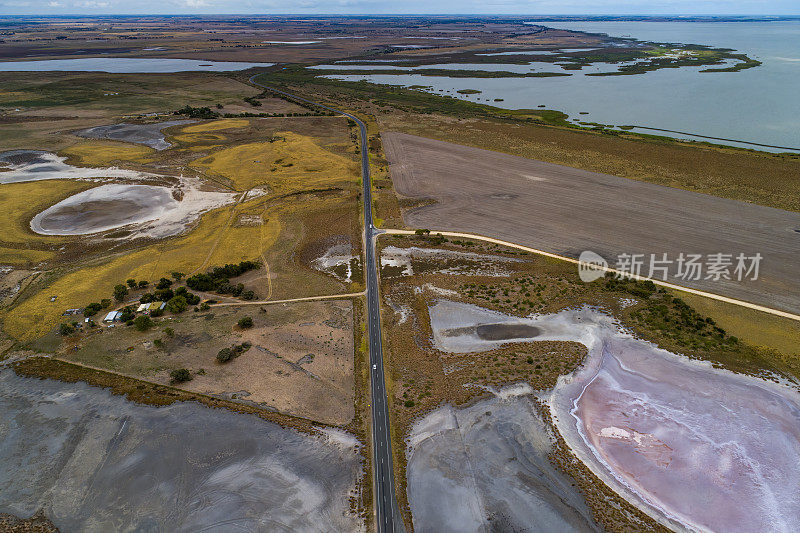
column 566, row 210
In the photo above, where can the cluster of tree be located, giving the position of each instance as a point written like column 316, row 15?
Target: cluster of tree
column 132, row 283
column 227, row 354
column 196, row 112
column 252, row 101
column 127, row 315
column 177, row 300
column 182, row 300
column 94, row 307
column 218, row 279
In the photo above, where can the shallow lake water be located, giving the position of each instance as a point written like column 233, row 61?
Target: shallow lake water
column 121, row 65
column 96, row 462
column 757, row 105
column 696, row 447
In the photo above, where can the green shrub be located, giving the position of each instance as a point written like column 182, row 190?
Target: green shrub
column 92, row 309
column 177, row 304
column 181, row 375
column 65, row 329
column 191, row 299
column 224, row 355
column 245, row 322
column 120, row 292
column 164, row 295
column 142, row 323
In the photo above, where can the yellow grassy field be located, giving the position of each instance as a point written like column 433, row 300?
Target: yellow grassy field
column 37, row 315
column 19, row 202
column 753, row 327
column 216, row 125
column 20, row 258
column 106, row 152
column 199, row 138
column 292, row 162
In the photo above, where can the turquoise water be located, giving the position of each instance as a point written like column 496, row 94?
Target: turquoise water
column 758, row 105
column 122, row 65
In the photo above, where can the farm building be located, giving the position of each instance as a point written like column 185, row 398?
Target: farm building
column 156, row 305
column 112, row 316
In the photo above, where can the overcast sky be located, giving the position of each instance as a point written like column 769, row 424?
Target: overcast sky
column 89, row 7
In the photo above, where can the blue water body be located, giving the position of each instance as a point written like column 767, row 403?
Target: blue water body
column 122, row 65
column 758, row 105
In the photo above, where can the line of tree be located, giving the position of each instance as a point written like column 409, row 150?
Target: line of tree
column 218, row 279
column 196, row 112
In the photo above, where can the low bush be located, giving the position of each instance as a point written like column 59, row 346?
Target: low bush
column 181, row 375
column 227, row 354
column 143, row 322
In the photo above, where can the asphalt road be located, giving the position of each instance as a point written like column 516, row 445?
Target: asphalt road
column 387, row 515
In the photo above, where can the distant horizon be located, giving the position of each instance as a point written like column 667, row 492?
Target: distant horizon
column 385, row 15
